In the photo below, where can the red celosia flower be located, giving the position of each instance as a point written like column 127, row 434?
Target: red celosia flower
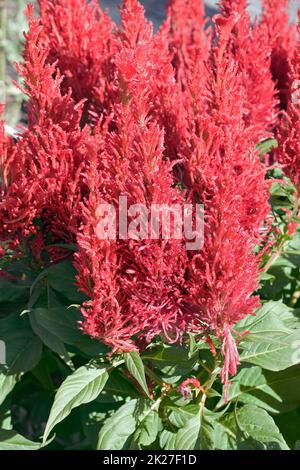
column 188, row 40
column 153, row 59
column 81, row 46
column 135, row 286
column 149, row 133
column 291, row 227
column 224, row 274
column 5, row 148
column 43, row 171
column 186, row 390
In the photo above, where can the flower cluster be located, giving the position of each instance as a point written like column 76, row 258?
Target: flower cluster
column 282, row 41
column 81, row 47
column 161, row 118
column 289, row 129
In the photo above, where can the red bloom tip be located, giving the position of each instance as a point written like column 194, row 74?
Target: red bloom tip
column 186, row 390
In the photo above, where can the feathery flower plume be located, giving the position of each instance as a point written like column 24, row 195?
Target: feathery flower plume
column 43, row 168
column 165, row 100
column 205, row 125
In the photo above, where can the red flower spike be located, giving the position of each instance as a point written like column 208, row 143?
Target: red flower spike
column 282, row 40
column 288, row 151
column 186, row 390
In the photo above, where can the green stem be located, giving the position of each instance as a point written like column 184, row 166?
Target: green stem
column 279, row 249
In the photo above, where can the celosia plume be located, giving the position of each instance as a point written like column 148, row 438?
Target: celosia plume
column 81, row 47
column 222, row 146
column 188, row 38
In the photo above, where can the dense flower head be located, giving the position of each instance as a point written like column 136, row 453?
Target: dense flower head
column 135, row 286
column 154, row 74
column 81, row 47
column 222, row 151
column 282, row 39
column 188, row 38
column 249, row 48
column 5, row 149
column 162, row 118
column 288, row 132
column 43, row 169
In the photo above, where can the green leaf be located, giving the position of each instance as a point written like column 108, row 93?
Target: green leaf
column 119, row 427
column 282, row 189
column 119, row 385
column 93, row 416
column 13, row 291
column 266, row 277
column 83, row 386
column 224, row 438
column 277, row 392
column 7, row 383
column 271, row 341
column 135, row 366
column 257, row 424
column 23, row 347
column 5, row 415
column 10, row 440
column 60, row 322
column 48, row 338
column 180, row 416
column 206, row 436
column 289, row 425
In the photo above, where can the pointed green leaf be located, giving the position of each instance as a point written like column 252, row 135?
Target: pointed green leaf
column 83, row 386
